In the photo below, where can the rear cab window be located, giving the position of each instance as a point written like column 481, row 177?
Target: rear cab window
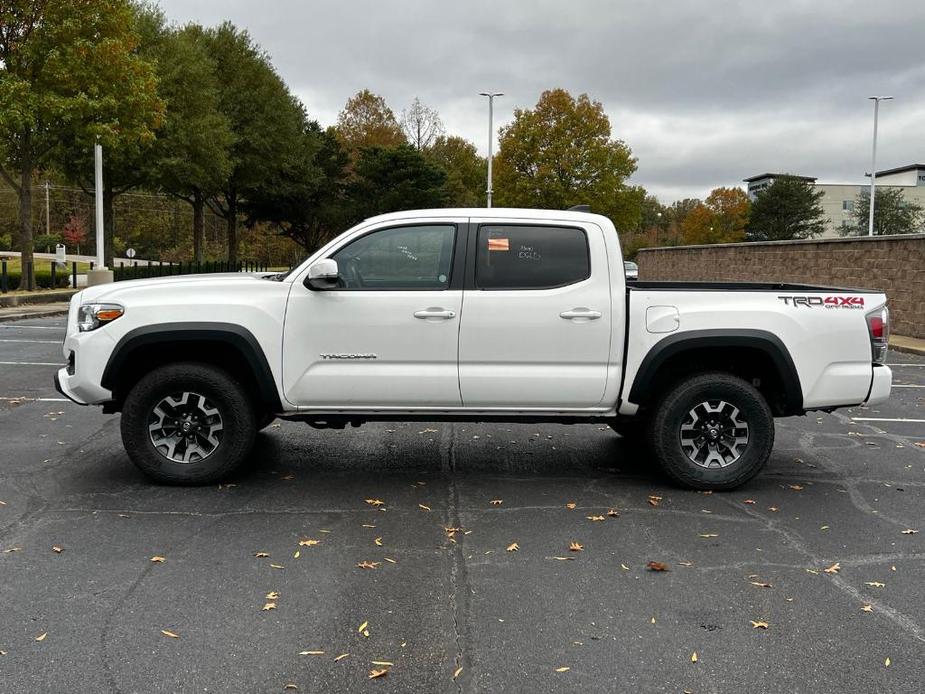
column 514, row 256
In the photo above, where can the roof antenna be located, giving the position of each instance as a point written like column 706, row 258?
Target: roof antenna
column 579, row 208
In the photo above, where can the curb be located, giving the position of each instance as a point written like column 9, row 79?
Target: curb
column 907, row 345
column 25, row 312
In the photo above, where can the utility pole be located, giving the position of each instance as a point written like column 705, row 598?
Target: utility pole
column 47, row 217
column 873, row 162
column 491, row 136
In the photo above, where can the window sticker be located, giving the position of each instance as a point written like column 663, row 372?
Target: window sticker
column 499, row 245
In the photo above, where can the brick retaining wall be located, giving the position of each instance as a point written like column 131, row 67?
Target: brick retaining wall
column 895, row 264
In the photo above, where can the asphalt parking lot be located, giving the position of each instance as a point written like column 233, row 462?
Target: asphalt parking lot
column 808, row 579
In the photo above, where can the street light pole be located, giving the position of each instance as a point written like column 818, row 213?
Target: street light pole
column 491, row 137
column 873, row 163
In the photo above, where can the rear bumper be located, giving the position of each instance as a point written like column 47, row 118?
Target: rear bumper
column 880, row 385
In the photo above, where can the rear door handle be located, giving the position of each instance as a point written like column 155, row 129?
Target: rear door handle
column 582, row 312
column 444, row 313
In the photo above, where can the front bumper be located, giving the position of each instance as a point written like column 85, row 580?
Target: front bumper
column 880, row 385
column 62, row 387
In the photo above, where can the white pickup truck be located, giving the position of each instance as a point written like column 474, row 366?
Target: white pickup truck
column 470, row 315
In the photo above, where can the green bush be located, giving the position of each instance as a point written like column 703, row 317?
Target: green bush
column 42, row 279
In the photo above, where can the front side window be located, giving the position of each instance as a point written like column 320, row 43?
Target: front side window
column 413, row 257
column 530, row 257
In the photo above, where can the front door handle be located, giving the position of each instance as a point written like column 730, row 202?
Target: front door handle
column 444, row 313
column 581, row 312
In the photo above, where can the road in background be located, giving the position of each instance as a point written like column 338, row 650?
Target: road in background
column 818, row 547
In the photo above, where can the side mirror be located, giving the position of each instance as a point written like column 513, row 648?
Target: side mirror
column 322, row 275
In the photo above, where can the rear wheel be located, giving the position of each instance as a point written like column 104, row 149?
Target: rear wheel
column 187, row 423
column 712, row 431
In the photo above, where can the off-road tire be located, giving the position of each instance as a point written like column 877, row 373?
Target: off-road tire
column 224, row 393
column 674, row 409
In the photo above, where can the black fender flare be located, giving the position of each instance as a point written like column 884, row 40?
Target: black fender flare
column 761, row 340
column 241, row 339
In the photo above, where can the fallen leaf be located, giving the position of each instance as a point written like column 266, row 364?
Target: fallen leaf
column 513, row 547
column 494, row 502
column 657, row 566
column 12, row 549
column 773, row 509
column 624, row 567
column 694, row 657
column 796, row 487
column 373, row 674
column 290, row 685
column 920, row 444
column 375, row 502
column 160, row 560
column 760, row 584
column 277, row 566
column 272, row 595
column 686, row 563
column 867, row 608
column 575, row 546
column 563, row 558
column 259, row 555
column 909, row 531
column 311, row 652
column 563, row 669
column 362, row 627
column 749, row 501
column 368, row 564
column 57, row 549
column 571, row 505
column 653, row 500
column 269, row 606
column 367, row 525
column 874, row 584
column 309, row 542
column 41, row 637
column 386, row 663
column 457, row 672
column 391, row 561
column 834, row 569
column 595, row 518
column 3, row 652
column 297, row 554
column 887, row 662
column 378, row 542
column 288, row 477
column 341, row 657
column 707, row 535
column 613, row 513
column 169, row 634
column 423, row 507
column 759, row 625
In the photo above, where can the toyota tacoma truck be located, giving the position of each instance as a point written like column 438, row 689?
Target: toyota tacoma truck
column 471, row 315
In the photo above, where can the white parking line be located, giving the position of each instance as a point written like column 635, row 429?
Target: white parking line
column 30, row 363
column 922, row 364
column 906, row 385
column 24, row 399
column 887, row 419
column 36, row 342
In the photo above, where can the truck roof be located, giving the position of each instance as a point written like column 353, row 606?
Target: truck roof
column 496, row 212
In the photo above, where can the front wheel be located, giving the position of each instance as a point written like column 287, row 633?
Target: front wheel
column 712, row 431
column 187, row 423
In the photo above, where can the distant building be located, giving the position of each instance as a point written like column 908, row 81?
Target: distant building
column 839, row 198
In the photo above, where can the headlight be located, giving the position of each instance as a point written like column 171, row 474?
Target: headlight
column 92, row 316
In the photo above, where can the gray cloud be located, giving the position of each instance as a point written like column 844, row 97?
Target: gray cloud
column 704, row 92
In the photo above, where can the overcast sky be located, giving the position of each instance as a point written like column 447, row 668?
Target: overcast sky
column 704, row 92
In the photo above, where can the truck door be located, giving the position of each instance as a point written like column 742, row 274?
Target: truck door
column 536, row 326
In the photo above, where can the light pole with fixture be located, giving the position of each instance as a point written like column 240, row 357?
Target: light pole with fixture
column 873, row 163
column 491, row 136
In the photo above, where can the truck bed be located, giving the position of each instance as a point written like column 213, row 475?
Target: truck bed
column 740, row 287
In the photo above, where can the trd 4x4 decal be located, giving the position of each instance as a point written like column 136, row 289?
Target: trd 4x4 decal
column 850, row 302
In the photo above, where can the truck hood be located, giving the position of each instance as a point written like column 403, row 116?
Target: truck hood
column 112, row 292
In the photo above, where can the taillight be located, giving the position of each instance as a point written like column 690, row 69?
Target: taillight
column 878, row 325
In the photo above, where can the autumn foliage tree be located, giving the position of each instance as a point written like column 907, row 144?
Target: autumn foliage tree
column 721, row 218
column 74, row 232
column 367, row 121
column 561, row 153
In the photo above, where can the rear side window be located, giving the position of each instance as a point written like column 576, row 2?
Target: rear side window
column 530, row 257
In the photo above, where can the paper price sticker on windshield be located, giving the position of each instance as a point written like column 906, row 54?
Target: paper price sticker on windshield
column 499, row 244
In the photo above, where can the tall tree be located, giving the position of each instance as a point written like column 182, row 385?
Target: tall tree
column 265, row 121
column 465, row 170
column 192, row 153
column 721, row 218
column 68, row 69
column 422, row 125
column 893, row 213
column 393, row 179
column 560, row 154
column 305, row 202
column 367, row 121
column 787, row 209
